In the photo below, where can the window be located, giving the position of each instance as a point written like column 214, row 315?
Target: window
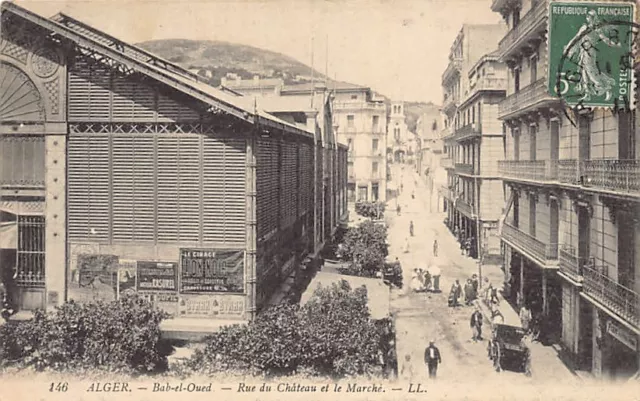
column 434, row 125
column 516, row 80
column 362, row 193
column 374, row 168
column 350, row 121
column 22, row 160
column 374, row 144
column 533, row 131
column 375, row 192
column 354, row 97
column 31, row 251
column 533, row 63
column 532, row 215
column 350, row 144
column 375, row 122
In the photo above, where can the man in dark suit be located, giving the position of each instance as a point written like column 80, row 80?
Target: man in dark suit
column 432, row 358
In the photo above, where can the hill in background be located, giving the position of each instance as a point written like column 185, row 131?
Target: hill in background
column 213, row 60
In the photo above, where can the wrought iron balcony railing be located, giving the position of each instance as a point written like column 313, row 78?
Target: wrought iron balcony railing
column 521, row 101
column 454, row 66
column 619, row 299
column 450, row 102
column 464, row 168
column 531, row 170
column 488, row 83
column 569, row 262
column 542, row 252
column 534, row 20
column 568, row 171
column 613, row 175
column 468, row 131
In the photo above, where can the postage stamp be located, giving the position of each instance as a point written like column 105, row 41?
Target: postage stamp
column 591, row 53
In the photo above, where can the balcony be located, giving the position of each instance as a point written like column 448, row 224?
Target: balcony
column 530, row 28
column 528, row 170
column 360, row 105
column 545, row 254
column 454, row 67
column 465, row 208
column 446, row 193
column 468, row 131
column 446, row 162
column 621, row 300
column 527, row 99
column 569, row 264
column 464, row 168
column 612, row 175
column 568, row 171
column 488, row 83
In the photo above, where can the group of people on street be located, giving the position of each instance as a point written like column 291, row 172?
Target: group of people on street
column 426, row 280
column 468, row 244
column 470, row 291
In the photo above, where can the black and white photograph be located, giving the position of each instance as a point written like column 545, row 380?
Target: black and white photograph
column 319, row 200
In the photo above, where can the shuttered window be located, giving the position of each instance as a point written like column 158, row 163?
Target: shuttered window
column 88, row 186
column 22, row 160
column 267, row 182
column 289, row 183
column 224, row 190
column 160, row 187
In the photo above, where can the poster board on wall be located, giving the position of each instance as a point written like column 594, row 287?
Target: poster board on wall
column 212, row 306
column 211, row 271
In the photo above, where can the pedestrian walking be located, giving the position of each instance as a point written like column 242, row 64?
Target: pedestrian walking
column 455, row 293
column 407, row 368
column 476, row 325
column 411, row 228
column 432, row 358
column 434, row 271
column 525, row 318
column 435, row 247
column 468, row 292
column 398, row 210
column 474, row 281
column 406, row 245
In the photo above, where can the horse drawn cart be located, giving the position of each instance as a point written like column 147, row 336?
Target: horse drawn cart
column 507, row 348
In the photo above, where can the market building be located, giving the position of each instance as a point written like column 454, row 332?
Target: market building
column 124, row 172
column 571, row 232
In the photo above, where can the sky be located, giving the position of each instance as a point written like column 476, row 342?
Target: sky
column 397, row 47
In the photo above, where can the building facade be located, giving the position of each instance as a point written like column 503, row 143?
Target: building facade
column 571, row 233
column 476, row 145
column 123, row 172
column 471, row 91
column 400, row 142
column 360, row 120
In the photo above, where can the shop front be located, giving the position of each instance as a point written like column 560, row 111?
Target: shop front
column 615, row 347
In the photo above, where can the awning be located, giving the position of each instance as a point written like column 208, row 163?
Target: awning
column 9, row 235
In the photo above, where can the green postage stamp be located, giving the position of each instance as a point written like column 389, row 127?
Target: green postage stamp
column 591, row 53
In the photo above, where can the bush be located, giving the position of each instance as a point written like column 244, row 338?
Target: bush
column 122, row 335
column 331, row 334
column 370, row 210
column 365, row 246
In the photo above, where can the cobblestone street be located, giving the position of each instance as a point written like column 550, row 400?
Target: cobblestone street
column 422, row 317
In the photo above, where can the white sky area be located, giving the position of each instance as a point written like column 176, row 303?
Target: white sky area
column 399, row 48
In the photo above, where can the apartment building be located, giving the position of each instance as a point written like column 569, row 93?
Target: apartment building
column 399, row 139
column 360, row 120
column 473, row 85
column 475, row 148
column 571, row 233
column 429, row 148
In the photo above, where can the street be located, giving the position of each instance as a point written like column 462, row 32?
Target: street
column 423, row 317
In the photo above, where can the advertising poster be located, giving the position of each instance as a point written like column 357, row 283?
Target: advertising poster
column 157, row 276
column 166, row 301
column 212, row 306
column 211, row 270
column 126, row 277
column 95, row 277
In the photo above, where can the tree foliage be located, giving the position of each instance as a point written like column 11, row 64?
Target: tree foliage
column 122, row 335
column 331, row 334
column 365, row 246
column 371, row 210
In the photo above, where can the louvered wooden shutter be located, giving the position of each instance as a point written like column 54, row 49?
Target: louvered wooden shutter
column 267, row 181
column 88, row 186
column 89, row 93
column 167, row 191
column 224, row 166
column 170, row 110
column 189, row 187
